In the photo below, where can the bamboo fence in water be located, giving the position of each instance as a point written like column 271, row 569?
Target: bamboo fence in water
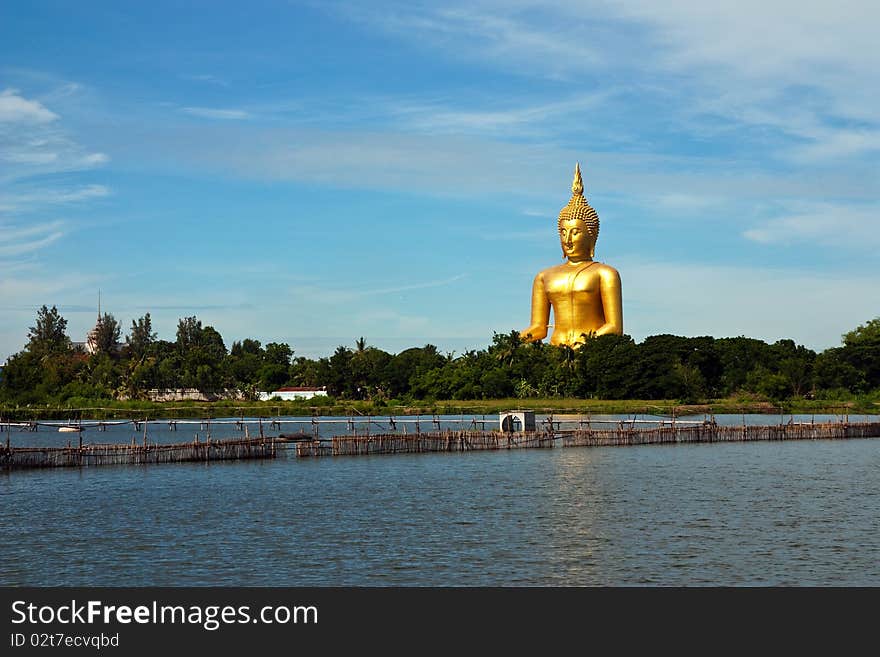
column 13, row 458
column 437, row 441
column 626, row 434
column 713, row 433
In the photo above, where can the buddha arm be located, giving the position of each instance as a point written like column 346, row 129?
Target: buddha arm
column 540, row 312
column 612, row 302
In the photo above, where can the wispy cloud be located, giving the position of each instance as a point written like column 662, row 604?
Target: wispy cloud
column 217, row 113
column 494, row 33
column 324, row 294
column 843, row 225
column 194, row 307
column 35, row 198
column 809, row 75
column 207, row 78
column 527, row 116
column 31, row 148
column 20, row 240
column 34, row 143
column 412, row 286
column 16, row 109
column 35, row 148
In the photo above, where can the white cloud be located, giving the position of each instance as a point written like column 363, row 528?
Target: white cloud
column 469, row 29
column 836, row 144
column 331, row 295
column 764, row 39
column 81, row 194
column 514, row 119
column 93, row 159
column 412, row 286
column 824, row 223
column 34, row 149
column 16, row 109
column 208, row 78
column 17, row 240
column 36, row 198
column 42, row 150
column 22, row 247
column 30, row 157
column 216, row 113
column 809, row 73
column 34, row 143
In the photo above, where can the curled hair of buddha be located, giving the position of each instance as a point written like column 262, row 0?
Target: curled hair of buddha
column 578, row 208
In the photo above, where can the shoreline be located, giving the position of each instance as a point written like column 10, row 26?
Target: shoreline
column 662, row 408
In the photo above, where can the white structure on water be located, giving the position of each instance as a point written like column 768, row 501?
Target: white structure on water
column 517, row 421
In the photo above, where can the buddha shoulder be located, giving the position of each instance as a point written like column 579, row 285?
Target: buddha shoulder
column 607, row 271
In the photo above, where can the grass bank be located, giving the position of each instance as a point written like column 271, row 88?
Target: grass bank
column 108, row 409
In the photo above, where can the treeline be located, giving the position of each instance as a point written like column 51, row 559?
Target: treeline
column 52, row 370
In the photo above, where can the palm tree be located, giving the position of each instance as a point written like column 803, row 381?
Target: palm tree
column 508, row 347
column 569, row 357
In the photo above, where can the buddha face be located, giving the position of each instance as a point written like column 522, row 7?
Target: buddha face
column 577, row 242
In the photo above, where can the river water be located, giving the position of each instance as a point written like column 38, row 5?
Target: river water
column 765, row 513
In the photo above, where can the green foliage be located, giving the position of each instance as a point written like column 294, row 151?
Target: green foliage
column 861, row 349
column 106, row 335
column 609, row 367
column 771, row 385
column 49, row 333
column 141, row 336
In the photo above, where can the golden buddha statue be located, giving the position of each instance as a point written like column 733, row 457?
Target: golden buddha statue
column 585, row 294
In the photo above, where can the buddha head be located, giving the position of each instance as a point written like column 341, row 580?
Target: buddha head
column 578, row 223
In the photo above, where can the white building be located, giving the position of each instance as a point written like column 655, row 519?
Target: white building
column 290, row 392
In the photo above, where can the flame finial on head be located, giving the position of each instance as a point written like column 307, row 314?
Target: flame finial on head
column 577, row 185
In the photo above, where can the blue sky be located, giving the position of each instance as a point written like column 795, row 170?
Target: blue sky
column 315, row 172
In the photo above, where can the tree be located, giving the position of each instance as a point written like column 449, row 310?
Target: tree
column 832, row 372
column 367, row 371
column 339, row 380
column 211, row 342
column 49, row 334
column 861, row 349
column 770, row 384
column 279, row 354
column 203, row 355
column 247, row 346
column 867, row 335
column 141, row 336
column 689, row 381
column 106, row 334
column 609, row 367
column 189, row 333
column 506, row 347
column 738, row 357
